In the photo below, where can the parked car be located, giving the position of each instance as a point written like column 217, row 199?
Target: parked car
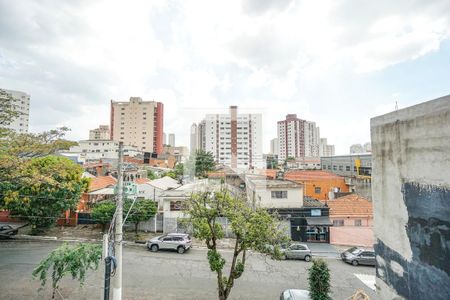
column 293, row 294
column 6, row 229
column 180, row 242
column 359, row 256
column 297, row 251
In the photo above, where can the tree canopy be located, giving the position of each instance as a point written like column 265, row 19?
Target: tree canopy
column 41, row 189
column 202, row 162
column 253, row 229
column 103, row 213
column 141, row 211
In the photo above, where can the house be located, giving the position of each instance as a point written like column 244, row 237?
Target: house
column 318, row 184
column 153, row 189
column 352, row 218
column 100, row 188
column 265, row 193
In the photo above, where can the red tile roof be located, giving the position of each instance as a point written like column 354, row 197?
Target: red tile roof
column 310, row 175
column 142, row 180
column 101, row 182
column 350, row 206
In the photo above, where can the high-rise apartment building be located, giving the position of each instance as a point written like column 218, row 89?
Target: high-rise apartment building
column 164, row 139
column 193, row 138
column 297, row 138
column 274, row 146
column 172, row 139
column 100, row 133
column 325, row 149
column 21, row 105
column 234, row 139
column 138, row 123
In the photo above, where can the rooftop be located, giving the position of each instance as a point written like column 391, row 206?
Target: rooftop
column 310, row 175
column 350, row 205
column 101, row 182
column 310, row 202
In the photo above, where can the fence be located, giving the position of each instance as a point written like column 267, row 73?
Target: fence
column 149, row 226
column 177, row 225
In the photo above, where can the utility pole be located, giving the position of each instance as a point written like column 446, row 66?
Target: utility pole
column 117, row 282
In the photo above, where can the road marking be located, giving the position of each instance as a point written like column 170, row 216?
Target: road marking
column 368, row 280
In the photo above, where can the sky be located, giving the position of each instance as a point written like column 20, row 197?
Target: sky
column 337, row 63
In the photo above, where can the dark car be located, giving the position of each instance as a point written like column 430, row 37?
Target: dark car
column 6, row 229
column 359, row 256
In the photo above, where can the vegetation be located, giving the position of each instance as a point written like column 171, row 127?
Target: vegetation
column 202, row 162
column 66, row 260
column 7, row 112
column 103, row 213
column 319, row 280
column 151, row 175
column 141, row 211
column 40, row 189
column 253, row 229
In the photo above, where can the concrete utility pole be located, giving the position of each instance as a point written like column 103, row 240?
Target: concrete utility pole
column 117, row 282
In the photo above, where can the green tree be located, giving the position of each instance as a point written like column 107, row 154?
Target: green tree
column 202, row 162
column 141, row 211
column 253, row 229
column 151, row 175
column 319, row 280
column 65, row 260
column 103, row 213
column 43, row 188
column 171, row 174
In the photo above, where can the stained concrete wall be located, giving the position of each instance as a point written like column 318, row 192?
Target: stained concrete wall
column 411, row 194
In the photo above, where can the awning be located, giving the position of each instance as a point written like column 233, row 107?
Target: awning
column 320, row 221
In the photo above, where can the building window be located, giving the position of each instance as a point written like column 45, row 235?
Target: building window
column 338, row 222
column 358, row 222
column 340, row 168
column 279, row 194
column 317, row 190
column 334, row 168
column 347, row 168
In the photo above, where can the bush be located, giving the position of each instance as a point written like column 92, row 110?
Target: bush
column 319, row 280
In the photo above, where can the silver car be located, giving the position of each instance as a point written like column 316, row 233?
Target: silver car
column 297, row 251
column 172, row 241
column 359, row 256
column 294, row 294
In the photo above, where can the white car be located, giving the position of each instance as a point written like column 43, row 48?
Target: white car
column 180, row 242
column 293, row 294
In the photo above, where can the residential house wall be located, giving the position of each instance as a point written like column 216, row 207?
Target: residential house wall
column 317, row 184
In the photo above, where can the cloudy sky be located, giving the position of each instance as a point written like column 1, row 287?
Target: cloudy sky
column 337, row 63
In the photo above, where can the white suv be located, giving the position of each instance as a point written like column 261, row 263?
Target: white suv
column 172, row 241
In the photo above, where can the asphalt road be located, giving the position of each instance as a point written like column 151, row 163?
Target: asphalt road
column 169, row 275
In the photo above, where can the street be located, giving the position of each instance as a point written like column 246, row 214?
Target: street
column 169, row 275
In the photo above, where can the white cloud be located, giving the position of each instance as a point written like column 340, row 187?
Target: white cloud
column 279, row 56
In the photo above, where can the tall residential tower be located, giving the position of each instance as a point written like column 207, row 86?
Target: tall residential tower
column 21, row 104
column 138, row 123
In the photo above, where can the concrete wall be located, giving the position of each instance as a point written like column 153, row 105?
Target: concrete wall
column 411, row 194
column 352, row 236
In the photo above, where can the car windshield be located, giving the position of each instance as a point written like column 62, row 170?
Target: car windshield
column 354, row 250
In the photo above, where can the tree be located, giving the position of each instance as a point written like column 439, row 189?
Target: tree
column 42, row 189
column 65, row 260
column 103, row 213
column 253, row 229
column 151, row 175
column 142, row 210
column 202, row 162
column 319, row 280
column 30, row 145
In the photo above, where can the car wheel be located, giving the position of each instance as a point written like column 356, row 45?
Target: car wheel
column 180, row 249
column 355, row 263
column 307, row 258
column 154, row 248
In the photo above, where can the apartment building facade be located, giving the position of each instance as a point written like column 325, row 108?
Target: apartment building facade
column 297, row 138
column 21, row 105
column 235, row 140
column 100, row 133
column 138, row 123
